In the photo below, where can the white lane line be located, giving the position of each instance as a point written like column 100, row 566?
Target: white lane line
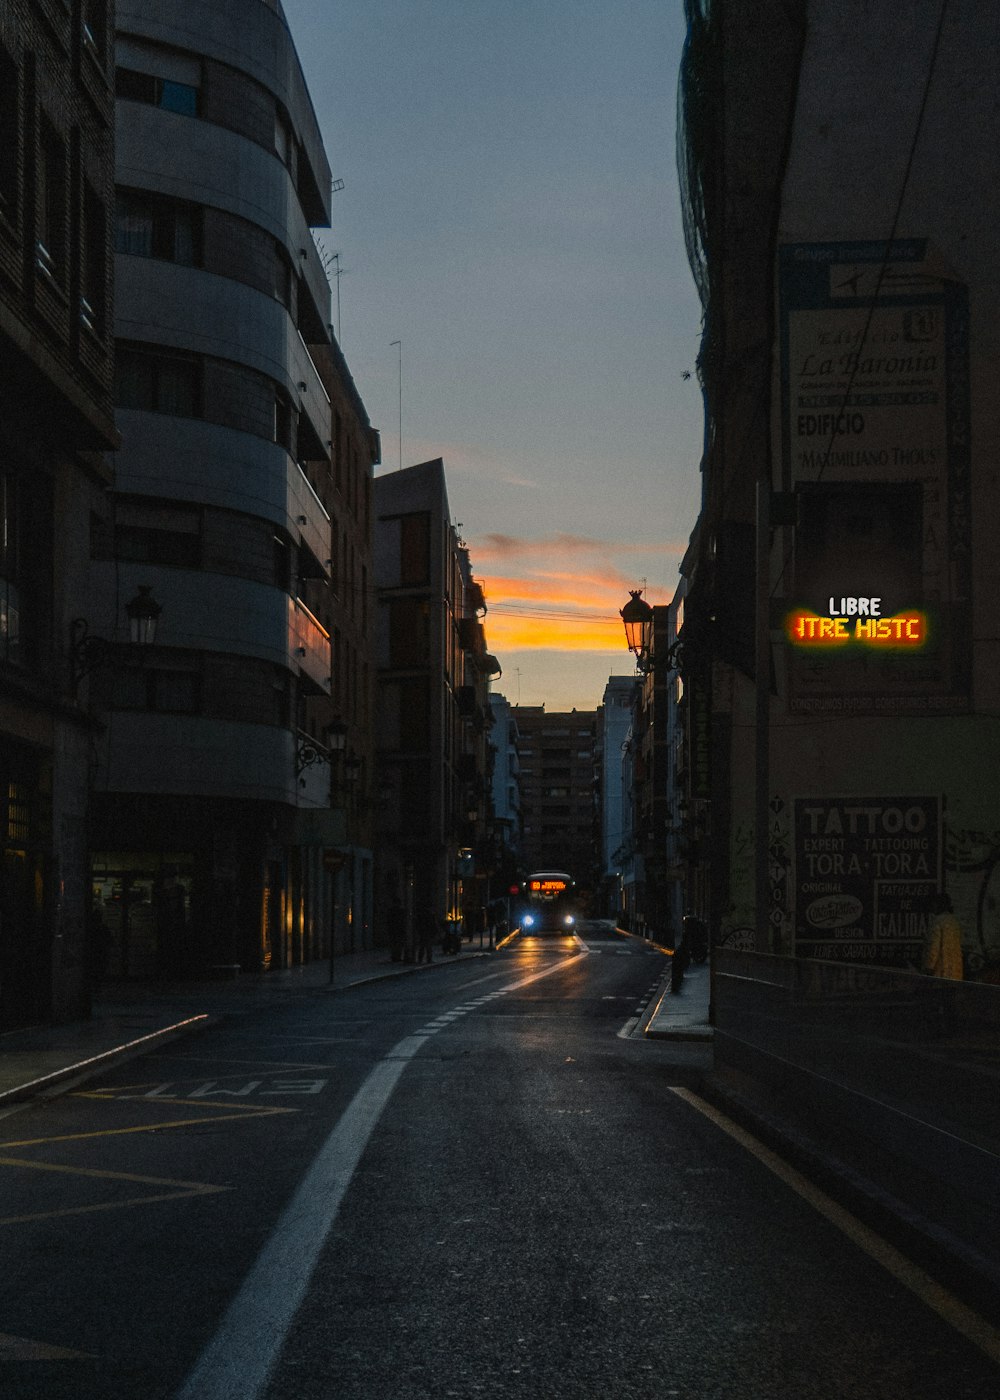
column 242, row 1355
column 975, row 1328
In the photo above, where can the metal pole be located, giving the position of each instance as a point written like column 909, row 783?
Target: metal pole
column 399, row 344
column 333, row 927
column 762, row 718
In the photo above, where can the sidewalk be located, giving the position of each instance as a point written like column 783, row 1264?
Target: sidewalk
column 130, row 1018
column 682, row 1015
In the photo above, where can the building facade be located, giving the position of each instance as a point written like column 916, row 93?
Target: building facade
column 505, row 784
column 614, row 721
column 557, row 754
column 219, row 835
column 433, row 714
column 56, row 431
column 849, row 490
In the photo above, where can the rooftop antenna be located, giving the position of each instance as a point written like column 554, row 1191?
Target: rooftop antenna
column 399, row 344
column 335, row 257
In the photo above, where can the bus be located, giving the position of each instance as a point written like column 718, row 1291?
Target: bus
column 548, row 902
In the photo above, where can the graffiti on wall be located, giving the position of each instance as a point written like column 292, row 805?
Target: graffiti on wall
column 972, row 878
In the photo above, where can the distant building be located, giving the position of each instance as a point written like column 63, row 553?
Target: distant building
column 557, row 753
column 614, row 719
column 433, row 713
column 506, row 777
column 222, row 830
column 56, row 427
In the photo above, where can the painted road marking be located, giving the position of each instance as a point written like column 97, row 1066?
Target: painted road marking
column 241, row 1356
column 178, row 1189
column 973, row 1327
column 235, row 1112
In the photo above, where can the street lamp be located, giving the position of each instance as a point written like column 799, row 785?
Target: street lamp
column 637, row 616
column 308, row 751
column 88, row 653
column 143, row 615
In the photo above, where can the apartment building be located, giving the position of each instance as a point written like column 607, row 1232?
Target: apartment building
column 56, row 431
column 556, row 753
column 614, row 725
column 433, row 714
column 241, row 502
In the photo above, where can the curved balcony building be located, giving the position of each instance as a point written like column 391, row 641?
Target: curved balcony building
column 216, row 790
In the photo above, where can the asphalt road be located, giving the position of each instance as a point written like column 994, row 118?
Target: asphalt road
column 464, row 1183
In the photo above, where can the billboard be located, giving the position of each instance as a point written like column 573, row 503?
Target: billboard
column 875, row 456
column 865, row 869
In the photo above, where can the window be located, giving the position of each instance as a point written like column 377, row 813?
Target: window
column 860, row 537
column 167, row 93
column 414, row 716
column 282, row 276
column 10, row 567
column 282, row 564
column 93, row 271
column 149, row 226
column 158, row 382
column 283, row 421
column 415, row 549
column 161, row 689
column 95, row 26
column 9, row 124
column 284, row 140
column 51, row 242
column 409, row 632
column 154, row 534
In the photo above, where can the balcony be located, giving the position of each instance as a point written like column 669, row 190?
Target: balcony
column 310, row 644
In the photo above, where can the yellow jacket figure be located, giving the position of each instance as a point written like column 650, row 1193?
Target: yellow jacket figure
column 943, row 949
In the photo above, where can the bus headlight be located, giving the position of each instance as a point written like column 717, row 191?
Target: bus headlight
column 569, row 921
column 528, row 921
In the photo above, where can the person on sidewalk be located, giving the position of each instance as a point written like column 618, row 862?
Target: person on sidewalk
column 396, row 921
column 427, row 930
column 943, row 949
column 98, row 947
column 679, row 961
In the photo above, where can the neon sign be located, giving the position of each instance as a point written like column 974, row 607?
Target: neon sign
column 846, row 625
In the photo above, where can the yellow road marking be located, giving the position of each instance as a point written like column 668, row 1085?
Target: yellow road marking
column 179, row 1189
column 105, row 1174
column 975, row 1328
column 242, row 1112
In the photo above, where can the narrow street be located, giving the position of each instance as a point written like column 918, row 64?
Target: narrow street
column 468, row 1182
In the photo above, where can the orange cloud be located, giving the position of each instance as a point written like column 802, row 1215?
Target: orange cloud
column 488, row 547
column 507, row 632
column 562, row 592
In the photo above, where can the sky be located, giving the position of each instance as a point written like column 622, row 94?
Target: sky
column 510, row 215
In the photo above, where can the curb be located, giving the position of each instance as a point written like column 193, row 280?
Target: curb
column 62, row 1079
column 952, row 1262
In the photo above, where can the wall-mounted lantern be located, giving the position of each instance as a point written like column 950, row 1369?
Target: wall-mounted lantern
column 637, row 616
column 88, row 653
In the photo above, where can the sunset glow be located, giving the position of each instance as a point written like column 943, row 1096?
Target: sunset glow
column 560, row 593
